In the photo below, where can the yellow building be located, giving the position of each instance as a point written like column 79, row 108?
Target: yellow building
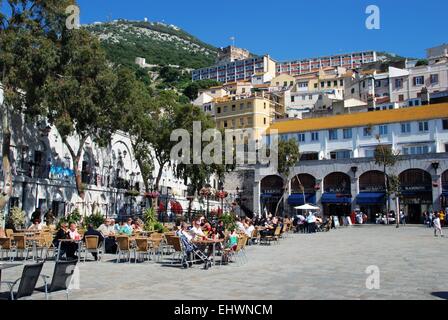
column 255, row 112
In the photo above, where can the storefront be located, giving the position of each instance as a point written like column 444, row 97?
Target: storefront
column 271, row 193
column 303, row 190
column 371, row 199
column 337, row 198
column 416, row 194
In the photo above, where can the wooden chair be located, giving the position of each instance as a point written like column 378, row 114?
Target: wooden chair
column 123, row 248
column 142, row 248
column 20, row 245
column 92, row 246
column 9, row 233
column 267, row 239
column 5, row 246
column 255, row 238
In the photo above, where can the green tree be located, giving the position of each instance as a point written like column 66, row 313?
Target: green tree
column 83, row 95
column 288, row 157
column 27, row 56
column 137, row 109
column 197, row 175
column 193, row 87
column 386, row 158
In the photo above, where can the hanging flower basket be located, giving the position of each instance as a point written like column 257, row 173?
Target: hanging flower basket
column 152, row 195
column 132, row 193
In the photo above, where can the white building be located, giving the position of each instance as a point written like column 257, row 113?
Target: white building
column 337, row 166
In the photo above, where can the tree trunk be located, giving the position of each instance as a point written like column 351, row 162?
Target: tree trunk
column 284, row 190
column 78, row 179
column 156, row 186
column 7, row 173
column 75, row 160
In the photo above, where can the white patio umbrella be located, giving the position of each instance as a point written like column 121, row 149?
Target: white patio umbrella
column 307, row 207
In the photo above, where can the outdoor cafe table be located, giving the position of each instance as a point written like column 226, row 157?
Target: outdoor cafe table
column 79, row 242
column 209, row 242
column 7, row 266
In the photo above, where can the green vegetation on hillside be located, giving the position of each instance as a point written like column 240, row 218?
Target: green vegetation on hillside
column 159, row 44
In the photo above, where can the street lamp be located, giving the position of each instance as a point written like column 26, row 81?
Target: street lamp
column 24, row 149
column 435, row 166
column 221, row 195
column 354, row 170
column 205, row 192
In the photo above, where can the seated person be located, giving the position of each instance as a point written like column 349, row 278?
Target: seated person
column 233, row 240
column 36, row 226
column 196, row 231
column 126, row 229
column 67, row 248
column 92, row 232
column 106, row 228
column 250, row 228
column 61, row 234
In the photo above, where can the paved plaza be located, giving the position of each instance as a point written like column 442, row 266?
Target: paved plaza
column 330, row 265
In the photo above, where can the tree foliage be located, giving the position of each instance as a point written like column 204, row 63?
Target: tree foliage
column 193, row 87
column 288, row 157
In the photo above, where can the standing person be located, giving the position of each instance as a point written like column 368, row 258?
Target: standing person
column 402, row 217
column 437, row 226
column 431, row 218
column 49, row 217
column 442, row 218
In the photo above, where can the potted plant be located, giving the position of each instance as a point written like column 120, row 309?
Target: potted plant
column 17, row 218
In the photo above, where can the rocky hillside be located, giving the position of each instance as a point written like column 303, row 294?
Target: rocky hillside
column 159, row 43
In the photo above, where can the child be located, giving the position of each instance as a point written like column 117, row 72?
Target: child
column 437, row 225
column 233, row 240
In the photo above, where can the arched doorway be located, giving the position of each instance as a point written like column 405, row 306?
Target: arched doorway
column 372, row 194
column 337, row 197
column 302, row 184
column 271, row 192
column 416, row 193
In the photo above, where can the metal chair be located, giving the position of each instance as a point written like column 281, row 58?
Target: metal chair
column 62, row 276
column 28, row 281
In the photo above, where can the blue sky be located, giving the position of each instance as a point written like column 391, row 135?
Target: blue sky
column 291, row 29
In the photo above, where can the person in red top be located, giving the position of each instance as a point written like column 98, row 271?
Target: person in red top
column 353, row 217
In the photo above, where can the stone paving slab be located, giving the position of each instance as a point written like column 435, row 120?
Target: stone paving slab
column 330, row 265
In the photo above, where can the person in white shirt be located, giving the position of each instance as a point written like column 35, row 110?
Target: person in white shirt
column 240, row 225
column 196, row 230
column 184, row 231
column 36, row 226
column 106, row 229
column 250, row 229
column 437, row 225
